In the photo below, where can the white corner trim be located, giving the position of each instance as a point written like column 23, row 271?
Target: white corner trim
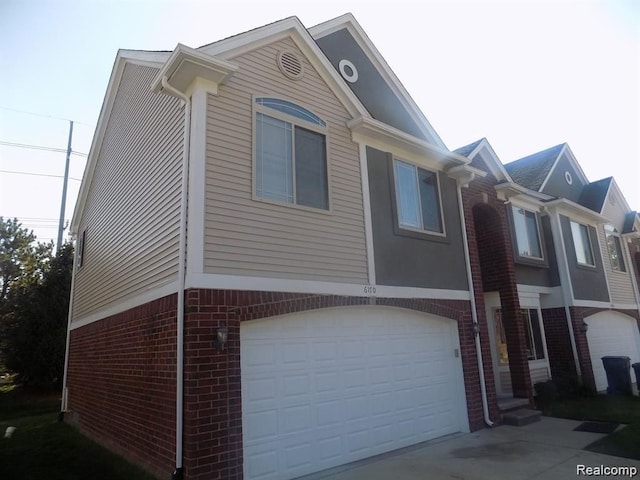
column 197, row 180
column 237, row 282
column 126, row 304
column 366, row 203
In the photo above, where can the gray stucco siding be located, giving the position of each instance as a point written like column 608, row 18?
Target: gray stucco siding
column 557, row 184
column 407, row 258
column 370, row 88
column 589, row 283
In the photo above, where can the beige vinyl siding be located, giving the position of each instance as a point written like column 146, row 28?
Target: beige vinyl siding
column 620, row 286
column 255, row 238
column 132, row 212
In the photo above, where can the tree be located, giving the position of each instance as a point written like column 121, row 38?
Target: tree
column 34, row 304
column 21, row 261
column 34, row 326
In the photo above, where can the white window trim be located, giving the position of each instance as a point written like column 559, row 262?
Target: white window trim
column 593, row 256
column 538, row 232
column 395, row 188
column 294, row 121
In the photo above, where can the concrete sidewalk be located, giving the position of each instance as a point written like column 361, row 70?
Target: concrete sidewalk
column 548, row 449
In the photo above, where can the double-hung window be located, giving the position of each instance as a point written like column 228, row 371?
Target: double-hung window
column 527, row 233
column 615, row 249
column 291, row 154
column 582, row 244
column 418, row 198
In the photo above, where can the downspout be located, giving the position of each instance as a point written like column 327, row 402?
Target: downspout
column 178, row 474
column 560, row 249
column 65, row 396
column 474, row 313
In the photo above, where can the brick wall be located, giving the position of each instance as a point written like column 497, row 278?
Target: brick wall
column 578, row 314
column 213, row 401
column 493, row 269
column 122, row 384
column 559, row 347
column 122, row 375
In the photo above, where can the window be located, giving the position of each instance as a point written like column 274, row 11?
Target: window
column 527, row 235
column 582, row 244
column 418, row 198
column 533, row 335
column 291, row 154
column 80, row 247
column 615, row 249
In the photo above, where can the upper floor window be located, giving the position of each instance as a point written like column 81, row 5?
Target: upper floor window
column 291, row 154
column 615, row 249
column 527, row 233
column 582, row 244
column 418, row 197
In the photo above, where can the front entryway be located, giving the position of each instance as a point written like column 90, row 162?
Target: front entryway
column 331, row 386
column 535, row 344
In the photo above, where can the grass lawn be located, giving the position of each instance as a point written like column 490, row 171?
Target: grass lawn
column 605, row 408
column 42, row 447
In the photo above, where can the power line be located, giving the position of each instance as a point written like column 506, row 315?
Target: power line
column 42, row 115
column 39, row 175
column 40, row 147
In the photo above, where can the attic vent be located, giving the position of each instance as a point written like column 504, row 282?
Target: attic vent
column 290, row 64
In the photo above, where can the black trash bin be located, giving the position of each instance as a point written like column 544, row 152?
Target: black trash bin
column 618, row 376
column 636, row 369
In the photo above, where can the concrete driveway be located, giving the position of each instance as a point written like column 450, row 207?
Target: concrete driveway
column 549, row 449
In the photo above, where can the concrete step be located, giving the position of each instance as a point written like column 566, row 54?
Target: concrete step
column 520, row 417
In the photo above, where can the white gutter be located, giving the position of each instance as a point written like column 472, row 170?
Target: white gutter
column 65, row 396
column 474, row 313
column 182, row 260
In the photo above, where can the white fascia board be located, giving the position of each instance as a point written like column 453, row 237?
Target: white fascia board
column 572, row 160
column 312, row 287
column 126, row 304
column 513, row 192
column 186, row 64
column 614, row 189
column 349, row 22
column 380, row 135
column 495, row 165
column 289, row 27
column 124, row 57
column 575, row 211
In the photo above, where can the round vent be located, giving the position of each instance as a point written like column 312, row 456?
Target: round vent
column 290, row 64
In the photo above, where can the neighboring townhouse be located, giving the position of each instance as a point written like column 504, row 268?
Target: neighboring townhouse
column 271, row 273
column 555, row 248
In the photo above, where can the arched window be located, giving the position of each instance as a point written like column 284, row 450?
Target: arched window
column 290, row 154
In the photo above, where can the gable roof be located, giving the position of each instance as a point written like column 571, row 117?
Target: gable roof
column 595, row 193
column 468, row 149
column 483, row 148
column 531, row 171
column 348, row 22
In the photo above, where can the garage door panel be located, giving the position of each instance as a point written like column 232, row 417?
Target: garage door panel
column 611, row 334
column 370, row 385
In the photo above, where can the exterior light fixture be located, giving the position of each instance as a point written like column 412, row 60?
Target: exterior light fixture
column 221, row 338
column 584, row 327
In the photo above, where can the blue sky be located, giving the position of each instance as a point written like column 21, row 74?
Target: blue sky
column 525, row 74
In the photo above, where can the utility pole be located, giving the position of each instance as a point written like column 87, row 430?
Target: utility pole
column 64, row 188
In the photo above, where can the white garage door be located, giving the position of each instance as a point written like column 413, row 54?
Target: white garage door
column 331, row 386
column 611, row 334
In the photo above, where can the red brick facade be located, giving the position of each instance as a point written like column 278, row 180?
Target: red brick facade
column 493, row 269
column 122, row 383
column 122, row 375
